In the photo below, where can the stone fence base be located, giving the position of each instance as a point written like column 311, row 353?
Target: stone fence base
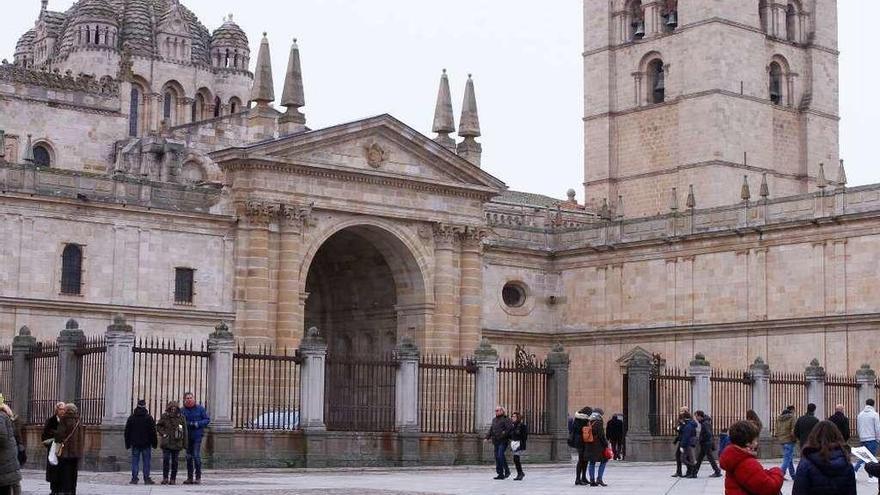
column 661, row 449
column 105, row 449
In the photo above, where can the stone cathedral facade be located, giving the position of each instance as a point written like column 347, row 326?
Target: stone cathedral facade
column 144, row 170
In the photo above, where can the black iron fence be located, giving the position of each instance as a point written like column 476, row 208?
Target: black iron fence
column 786, row 389
column 360, row 393
column 265, row 389
column 671, row 389
column 164, row 370
column 90, row 392
column 731, row 397
column 843, row 390
column 43, row 382
column 446, row 395
column 6, row 370
column 522, row 387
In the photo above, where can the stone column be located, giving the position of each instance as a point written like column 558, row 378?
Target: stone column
column 866, row 377
column 701, row 387
column 406, row 401
column 638, row 434
column 760, row 373
column 486, row 386
column 815, row 375
column 119, row 368
column 221, row 345
column 252, row 270
column 313, row 350
column 23, row 344
column 68, row 363
column 290, row 305
column 471, row 289
column 558, row 363
column 446, row 284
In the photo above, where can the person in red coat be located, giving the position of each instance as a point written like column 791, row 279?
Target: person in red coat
column 745, row 475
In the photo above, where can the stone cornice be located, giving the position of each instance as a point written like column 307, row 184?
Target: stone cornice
column 687, row 166
column 261, row 212
column 80, row 307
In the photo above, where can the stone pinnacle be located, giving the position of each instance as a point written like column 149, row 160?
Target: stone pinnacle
column 263, row 92
column 469, row 124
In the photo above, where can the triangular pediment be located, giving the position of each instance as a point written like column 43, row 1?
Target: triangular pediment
column 379, row 146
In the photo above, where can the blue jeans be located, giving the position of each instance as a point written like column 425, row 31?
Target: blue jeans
column 138, row 455
column 501, row 459
column 592, row 469
column 870, row 445
column 194, row 458
column 788, row 459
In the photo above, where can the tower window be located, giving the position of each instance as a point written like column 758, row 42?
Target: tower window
column 133, row 112
column 636, row 20
column 184, row 279
column 218, row 106
column 513, row 294
column 656, row 81
column 791, row 16
column 71, row 270
column 775, row 83
column 166, row 113
column 42, row 156
column 670, row 15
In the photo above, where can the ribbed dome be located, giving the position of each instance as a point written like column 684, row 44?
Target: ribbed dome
column 230, row 35
column 26, row 42
column 94, row 10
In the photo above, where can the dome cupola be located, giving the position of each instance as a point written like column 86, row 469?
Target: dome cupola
column 229, row 47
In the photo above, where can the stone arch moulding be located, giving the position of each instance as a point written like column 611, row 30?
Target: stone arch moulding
column 50, row 148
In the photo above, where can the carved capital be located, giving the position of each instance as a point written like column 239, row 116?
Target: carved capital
column 473, row 236
column 446, row 236
column 297, row 217
column 259, row 212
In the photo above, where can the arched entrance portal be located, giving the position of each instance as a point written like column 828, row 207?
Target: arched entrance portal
column 359, row 284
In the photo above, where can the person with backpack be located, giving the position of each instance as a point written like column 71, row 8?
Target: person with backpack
column 707, row 444
column 173, row 434
column 784, row 433
column 595, row 445
column 576, row 441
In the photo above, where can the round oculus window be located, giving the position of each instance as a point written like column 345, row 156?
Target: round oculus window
column 513, row 294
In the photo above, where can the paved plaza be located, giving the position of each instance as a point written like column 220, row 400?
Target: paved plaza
column 623, row 479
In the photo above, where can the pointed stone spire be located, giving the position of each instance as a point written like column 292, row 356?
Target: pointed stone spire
column 44, row 5
column 745, row 193
column 673, row 200
column 29, row 151
column 620, row 207
column 821, row 181
column 691, row 201
column 841, row 176
column 263, row 92
column 293, row 97
column 765, row 189
column 444, row 121
column 469, row 126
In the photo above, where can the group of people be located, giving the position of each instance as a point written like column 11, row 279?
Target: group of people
column 694, row 443
column 587, row 435
column 508, row 432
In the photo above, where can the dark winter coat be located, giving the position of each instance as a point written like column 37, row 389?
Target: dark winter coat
column 10, row 471
column 519, row 431
column 842, row 423
column 172, row 429
column 746, row 476
column 785, row 427
column 575, row 438
column 804, row 426
column 140, row 430
column 499, row 430
column 71, row 434
column 816, row 476
column 196, row 420
column 689, row 434
column 595, row 450
column 49, row 430
column 707, row 437
column 614, row 429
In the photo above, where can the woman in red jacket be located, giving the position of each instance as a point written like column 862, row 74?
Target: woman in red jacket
column 745, row 475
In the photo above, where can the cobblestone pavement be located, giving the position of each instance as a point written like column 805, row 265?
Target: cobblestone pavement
column 623, row 478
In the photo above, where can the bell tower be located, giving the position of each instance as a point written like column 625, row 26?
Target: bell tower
column 702, row 93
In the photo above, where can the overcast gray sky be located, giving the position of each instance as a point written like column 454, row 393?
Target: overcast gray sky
column 367, row 57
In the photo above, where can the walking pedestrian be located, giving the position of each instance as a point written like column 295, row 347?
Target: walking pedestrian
column 70, row 436
column 707, row 444
column 173, row 434
column 687, row 446
column 804, row 425
column 10, row 468
column 50, row 428
column 576, row 441
column 614, row 431
column 140, row 437
column 594, row 447
column 745, row 475
column 196, row 421
column 825, row 467
column 677, row 441
column 499, row 434
column 841, row 421
column 784, row 434
column 868, row 423
column 519, row 433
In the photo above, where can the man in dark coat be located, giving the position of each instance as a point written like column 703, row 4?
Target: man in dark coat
column 840, row 421
column 805, row 424
column 140, row 437
column 50, row 428
column 677, row 442
column 707, row 444
column 687, row 445
column 499, row 434
column 10, row 470
column 614, row 432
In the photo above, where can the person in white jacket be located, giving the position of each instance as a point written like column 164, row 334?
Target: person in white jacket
column 869, row 431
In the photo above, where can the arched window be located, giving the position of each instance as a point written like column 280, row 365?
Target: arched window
column 636, row 16
column 776, row 95
column 670, row 15
column 42, row 155
column 656, row 82
column 195, row 112
column 168, row 107
column 791, row 21
column 71, row 270
column 218, row 106
column 133, row 107
column 234, row 105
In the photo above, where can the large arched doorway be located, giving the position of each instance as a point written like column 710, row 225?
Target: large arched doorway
column 357, row 284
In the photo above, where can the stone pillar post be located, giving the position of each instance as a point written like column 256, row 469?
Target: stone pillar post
column 69, row 372
column 557, row 402
column 290, row 306
column 252, row 270
column 471, row 289
column 406, row 401
column 23, row 344
column 815, row 375
column 701, row 387
column 313, row 350
column 485, row 392
column 760, row 374
column 866, row 377
column 446, row 285
column 221, row 345
column 638, row 433
column 119, row 367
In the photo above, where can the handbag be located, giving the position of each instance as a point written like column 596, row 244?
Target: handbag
column 608, row 453
column 514, row 445
column 53, row 456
